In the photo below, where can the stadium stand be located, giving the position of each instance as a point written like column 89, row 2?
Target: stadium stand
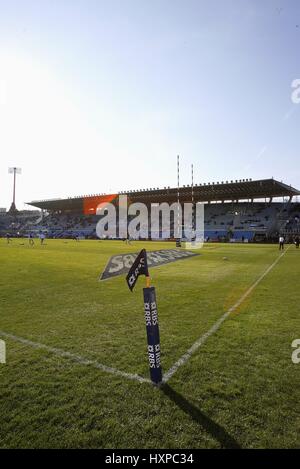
column 235, row 211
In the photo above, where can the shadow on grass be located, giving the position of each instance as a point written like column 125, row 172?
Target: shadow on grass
column 215, row 430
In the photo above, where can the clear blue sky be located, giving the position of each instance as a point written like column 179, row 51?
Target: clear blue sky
column 100, row 96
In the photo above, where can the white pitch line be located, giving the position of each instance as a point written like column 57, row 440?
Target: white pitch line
column 182, row 360
column 77, row 358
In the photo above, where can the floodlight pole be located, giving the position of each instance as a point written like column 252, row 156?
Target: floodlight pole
column 14, row 190
column 14, row 171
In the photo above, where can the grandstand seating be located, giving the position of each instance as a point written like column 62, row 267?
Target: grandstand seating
column 292, row 225
column 223, row 221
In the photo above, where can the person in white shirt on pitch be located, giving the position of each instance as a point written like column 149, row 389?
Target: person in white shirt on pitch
column 281, row 243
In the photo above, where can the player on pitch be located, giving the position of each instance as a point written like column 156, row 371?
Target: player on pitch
column 281, row 243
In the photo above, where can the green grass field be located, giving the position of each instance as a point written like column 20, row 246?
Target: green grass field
column 239, row 389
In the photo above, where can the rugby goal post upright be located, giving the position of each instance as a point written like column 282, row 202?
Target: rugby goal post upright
column 178, row 240
column 14, row 171
column 193, row 205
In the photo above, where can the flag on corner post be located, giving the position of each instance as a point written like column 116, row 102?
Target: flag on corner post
column 139, row 267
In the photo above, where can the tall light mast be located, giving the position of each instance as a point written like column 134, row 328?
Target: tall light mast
column 14, row 171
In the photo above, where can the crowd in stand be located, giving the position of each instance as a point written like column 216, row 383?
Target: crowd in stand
column 223, row 222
